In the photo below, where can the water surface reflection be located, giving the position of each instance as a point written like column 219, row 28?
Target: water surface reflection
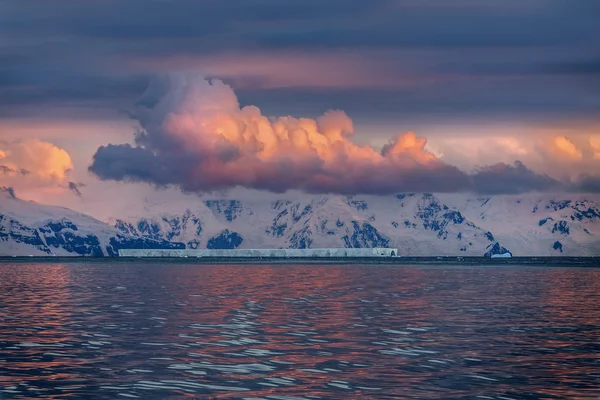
column 298, row 332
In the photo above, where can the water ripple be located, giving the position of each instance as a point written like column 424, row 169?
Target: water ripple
column 298, row 332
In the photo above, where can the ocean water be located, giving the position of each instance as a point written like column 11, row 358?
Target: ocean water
column 298, row 332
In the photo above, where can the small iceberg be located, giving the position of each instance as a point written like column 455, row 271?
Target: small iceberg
column 497, row 251
column 504, row 255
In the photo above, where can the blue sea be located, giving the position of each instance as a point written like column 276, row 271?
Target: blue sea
column 102, row 331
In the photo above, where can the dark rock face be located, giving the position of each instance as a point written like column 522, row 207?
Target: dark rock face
column 150, row 229
column 278, row 225
column 582, row 213
column 483, row 200
column 301, row 239
column 144, row 227
column 231, row 209
column 323, row 227
column 437, row 217
column 226, row 240
column 454, row 216
column 20, row 233
column 364, row 235
column 277, row 205
column 558, row 205
column 58, row 226
column 121, row 242
column 87, row 245
column 125, row 227
column 561, row 227
column 402, row 196
column 581, row 210
column 558, row 246
column 61, row 234
column 193, row 244
column 292, row 220
column 542, row 222
column 65, row 235
column 360, row 205
column 297, row 215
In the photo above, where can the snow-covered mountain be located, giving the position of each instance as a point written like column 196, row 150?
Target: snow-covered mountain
column 28, row 228
column 417, row 224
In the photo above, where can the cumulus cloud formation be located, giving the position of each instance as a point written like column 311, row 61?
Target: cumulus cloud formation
column 33, row 162
column 562, row 153
column 196, row 136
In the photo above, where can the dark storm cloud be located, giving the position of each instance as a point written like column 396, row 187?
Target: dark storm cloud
column 586, row 184
column 74, row 187
column 138, row 164
column 126, row 162
column 516, row 178
column 69, row 52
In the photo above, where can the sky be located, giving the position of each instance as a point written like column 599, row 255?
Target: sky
column 348, row 97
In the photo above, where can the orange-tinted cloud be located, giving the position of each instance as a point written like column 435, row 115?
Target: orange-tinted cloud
column 563, row 152
column 196, row 136
column 33, row 164
column 566, row 148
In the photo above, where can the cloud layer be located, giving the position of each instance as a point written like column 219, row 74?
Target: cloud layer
column 196, row 136
column 513, row 58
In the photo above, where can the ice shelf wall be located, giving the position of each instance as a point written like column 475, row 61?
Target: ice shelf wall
column 334, row 252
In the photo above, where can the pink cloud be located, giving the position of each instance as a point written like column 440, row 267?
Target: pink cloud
column 196, row 136
column 35, row 160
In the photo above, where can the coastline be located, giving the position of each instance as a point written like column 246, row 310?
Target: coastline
column 589, row 262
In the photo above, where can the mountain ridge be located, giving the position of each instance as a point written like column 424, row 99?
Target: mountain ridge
column 417, row 224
